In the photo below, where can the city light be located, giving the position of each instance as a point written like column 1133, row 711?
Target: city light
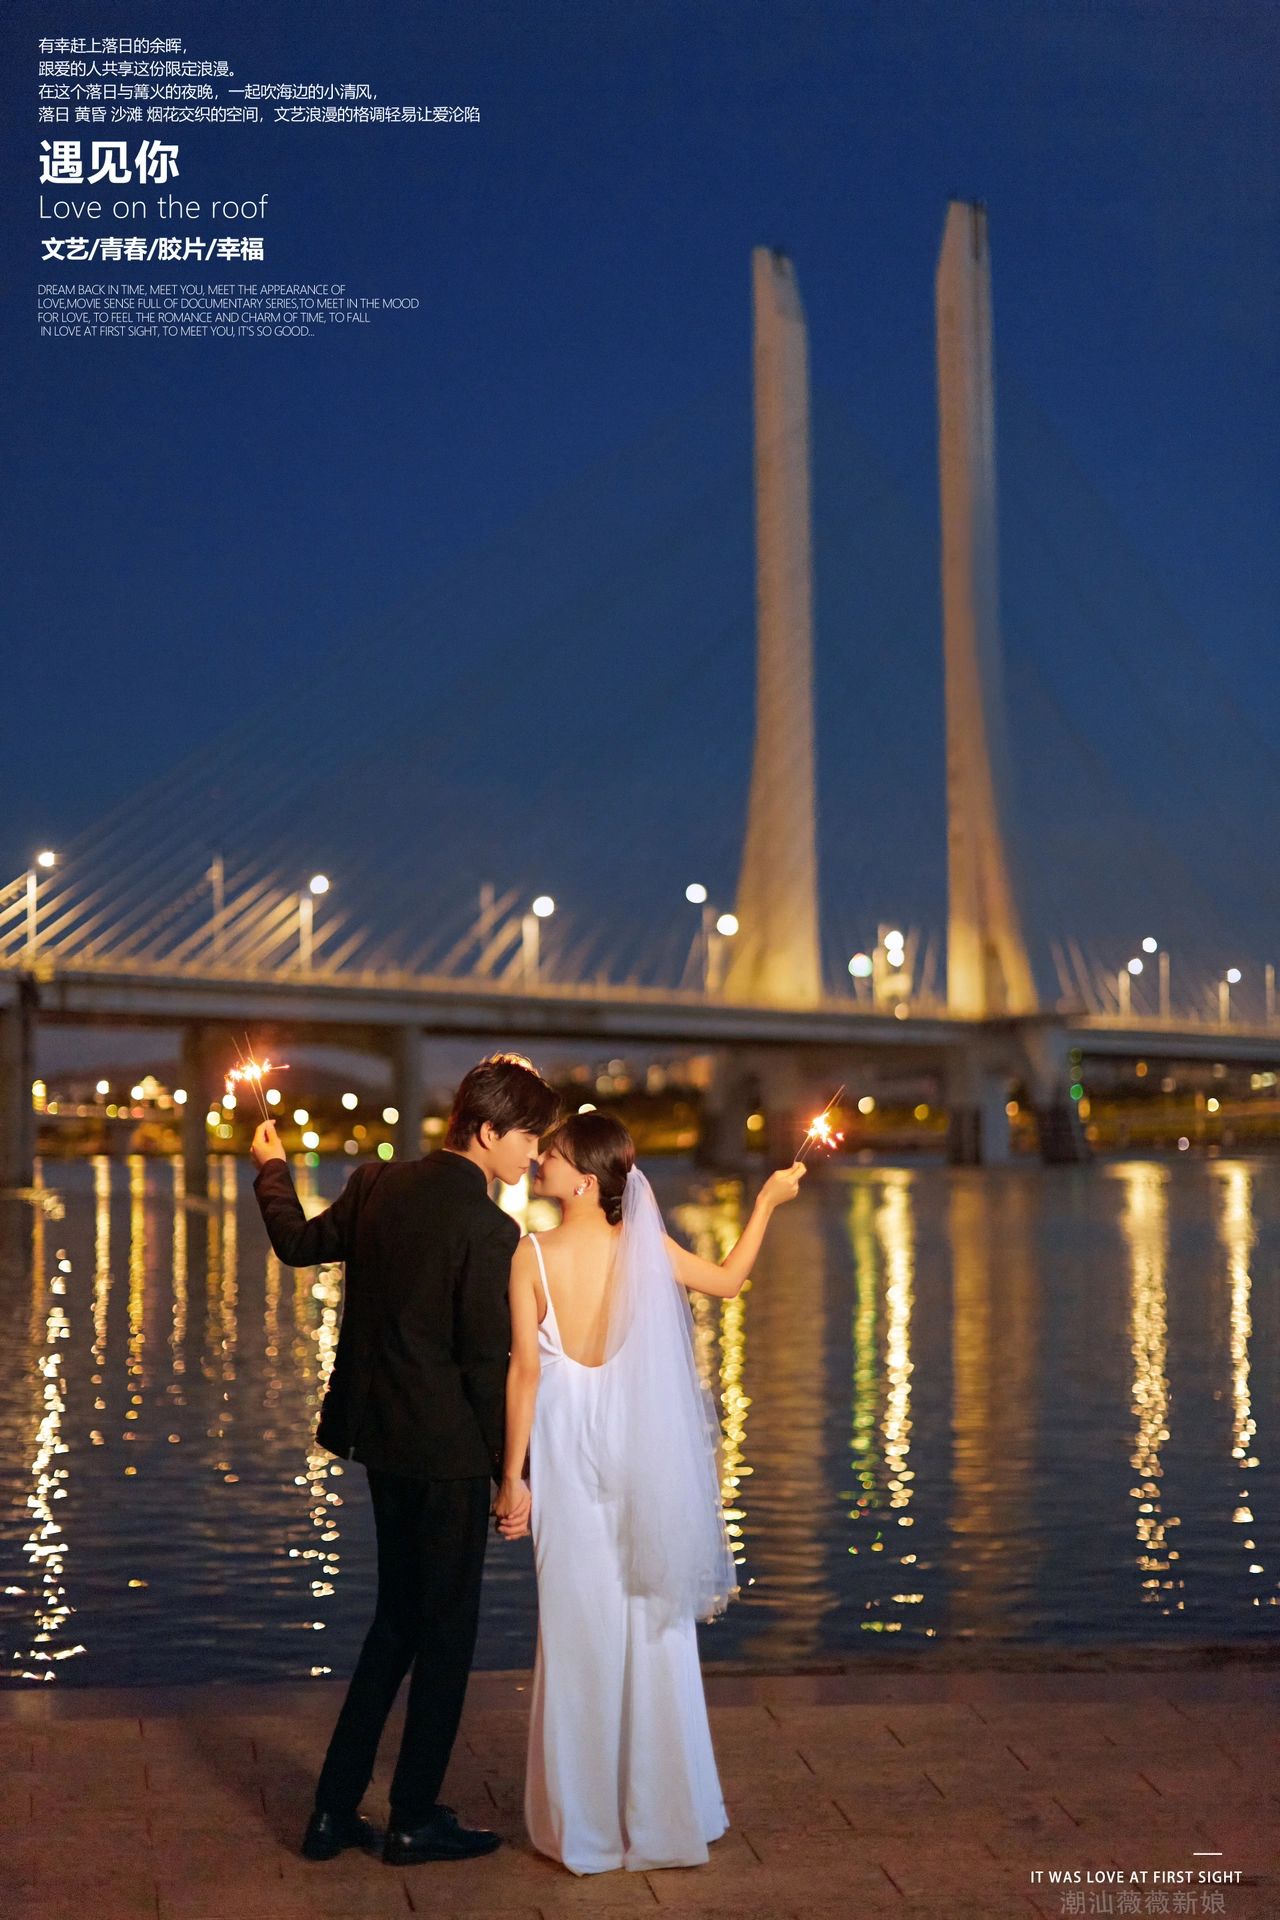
column 1135, row 965
column 273, row 1096
column 47, row 858
column 867, row 1104
column 350, row 1102
column 179, row 1096
column 228, row 1101
column 1150, row 946
column 543, row 907
column 103, row 1086
column 385, row 1150
column 311, row 1140
column 894, row 939
column 319, row 883
column 727, row 924
column 860, row 966
column 1233, row 975
column 588, row 1106
column 695, row 894
column 300, row 1116
column 391, row 1115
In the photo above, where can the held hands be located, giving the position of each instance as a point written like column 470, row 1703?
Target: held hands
column 511, row 1510
column 783, row 1185
column 266, row 1143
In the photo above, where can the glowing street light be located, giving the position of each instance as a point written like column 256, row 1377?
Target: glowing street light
column 1152, row 945
column 531, row 935
column 46, row 859
column 696, row 894
column 1124, row 985
column 318, row 884
column 1225, row 993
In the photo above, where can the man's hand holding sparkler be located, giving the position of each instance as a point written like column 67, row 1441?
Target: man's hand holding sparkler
column 266, row 1144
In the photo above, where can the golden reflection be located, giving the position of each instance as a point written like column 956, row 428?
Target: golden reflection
column 319, row 1336
column 46, row 1546
column 134, row 1376
column 102, row 1285
column 178, row 1326
column 992, row 1229
column 784, row 1366
column 1238, row 1232
column 1144, row 1222
column 883, row 1243
column 712, row 1226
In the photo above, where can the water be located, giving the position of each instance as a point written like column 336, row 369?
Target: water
column 1008, row 1410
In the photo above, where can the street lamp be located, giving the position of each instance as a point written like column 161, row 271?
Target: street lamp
column 318, row 884
column 1124, row 984
column 861, row 967
column 1152, row 945
column 45, row 859
column 1229, row 980
column 696, row 894
column 726, row 926
column 531, row 934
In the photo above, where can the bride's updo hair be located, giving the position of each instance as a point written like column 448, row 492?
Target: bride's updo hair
column 597, row 1143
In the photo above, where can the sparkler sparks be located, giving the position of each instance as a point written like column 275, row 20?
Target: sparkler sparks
column 822, row 1131
column 252, row 1073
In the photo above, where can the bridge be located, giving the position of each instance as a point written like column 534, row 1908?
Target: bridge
column 138, row 924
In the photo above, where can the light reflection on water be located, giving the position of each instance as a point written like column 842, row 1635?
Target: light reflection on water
column 959, row 1409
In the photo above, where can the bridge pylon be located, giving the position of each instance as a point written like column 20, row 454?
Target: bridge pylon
column 776, row 953
column 989, row 972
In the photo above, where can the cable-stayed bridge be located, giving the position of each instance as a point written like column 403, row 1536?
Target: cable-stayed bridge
column 509, row 841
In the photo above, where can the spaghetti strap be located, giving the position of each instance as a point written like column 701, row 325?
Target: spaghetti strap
column 549, row 1320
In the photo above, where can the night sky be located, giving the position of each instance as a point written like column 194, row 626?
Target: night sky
column 201, row 529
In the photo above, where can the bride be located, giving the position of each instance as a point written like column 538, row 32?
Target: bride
column 623, row 1502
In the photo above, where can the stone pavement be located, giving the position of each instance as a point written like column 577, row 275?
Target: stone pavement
column 926, row 1796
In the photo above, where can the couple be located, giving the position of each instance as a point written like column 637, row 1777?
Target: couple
column 462, row 1350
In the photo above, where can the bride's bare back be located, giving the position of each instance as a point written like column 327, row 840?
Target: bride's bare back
column 579, row 1268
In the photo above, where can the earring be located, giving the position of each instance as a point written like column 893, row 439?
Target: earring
column 579, row 1191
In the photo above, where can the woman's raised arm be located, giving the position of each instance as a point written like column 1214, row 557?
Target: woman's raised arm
column 727, row 1279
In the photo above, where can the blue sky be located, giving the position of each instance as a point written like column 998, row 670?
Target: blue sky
column 194, row 526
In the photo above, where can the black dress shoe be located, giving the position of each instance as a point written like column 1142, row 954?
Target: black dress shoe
column 328, row 1834
column 439, row 1838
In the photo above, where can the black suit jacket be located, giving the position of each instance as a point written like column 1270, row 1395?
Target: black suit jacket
column 418, row 1384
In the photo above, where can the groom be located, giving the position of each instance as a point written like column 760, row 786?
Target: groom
column 417, row 1396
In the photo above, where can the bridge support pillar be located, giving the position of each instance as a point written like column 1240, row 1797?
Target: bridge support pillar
column 204, row 1085
column 746, row 1083
column 1048, row 1079
column 408, row 1092
column 725, row 1106
column 17, row 1068
column 977, row 1091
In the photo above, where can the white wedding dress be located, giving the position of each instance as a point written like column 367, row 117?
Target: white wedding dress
column 621, row 1771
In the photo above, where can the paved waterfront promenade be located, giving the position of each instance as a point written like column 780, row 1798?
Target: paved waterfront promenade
column 851, row 1795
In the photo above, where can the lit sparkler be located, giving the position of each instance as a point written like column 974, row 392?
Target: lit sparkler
column 822, row 1131
column 251, row 1073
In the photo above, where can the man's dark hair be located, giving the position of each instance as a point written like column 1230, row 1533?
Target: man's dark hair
column 506, row 1091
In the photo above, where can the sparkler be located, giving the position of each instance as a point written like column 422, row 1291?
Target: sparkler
column 249, row 1072
column 822, row 1131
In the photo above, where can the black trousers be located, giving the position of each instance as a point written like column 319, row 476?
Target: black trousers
column 431, row 1547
